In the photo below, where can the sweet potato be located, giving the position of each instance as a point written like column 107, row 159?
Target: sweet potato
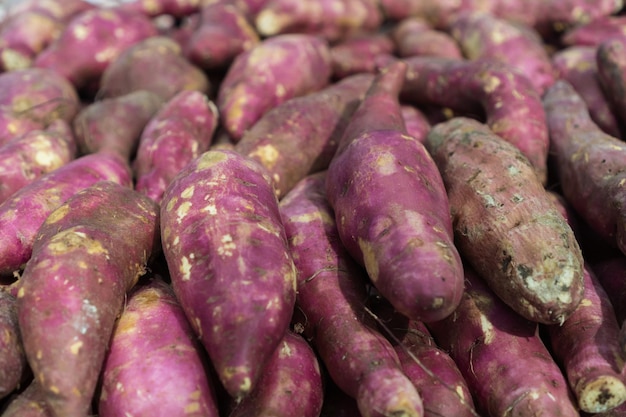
column 595, row 31
column 25, row 35
column 436, row 12
column 115, row 124
column 170, row 72
column 413, row 36
column 155, row 358
column 357, row 54
column 391, row 206
column 293, row 65
column 505, row 223
column 482, row 336
column 73, row 287
column 29, row 403
column 331, row 292
column 178, row 133
column 13, row 366
column 26, row 210
column 12, row 125
column 152, row 8
column 222, row 33
column 611, row 66
column 230, row 264
column 510, row 103
column 611, row 273
column 34, row 154
column 300, row 136
column 589, row 164
column 417, row 125
column 290, row 385
column 330, row 19
column 483, row 36
column 91, row 41
column 62, row 10
column 577, row 65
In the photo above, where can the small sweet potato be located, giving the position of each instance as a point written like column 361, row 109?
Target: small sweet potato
column 155, row 358
column 595, row 31
column 13, row 365
column 611, row 73
column 413, row 36
column 24, row 212
column 331, row 292
column 505, row 223
column 357, row 54
column 115, row 124
column 91, row 41
column 88, row 253
column 391, row 206
column 589, row 164
column 178, row 133
column 29, row 403
column 416, row 122
column 300, row 136
column 34, row 154
column 330, row 19
column 290, row 386
column 482, row 336
column 154, row 8
column 230, row 264
column 170, row 72
column 293, row 65
column 62, row 10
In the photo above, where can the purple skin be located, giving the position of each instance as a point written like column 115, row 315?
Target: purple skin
column 104, row 234
column 358, row 53
column 595, row 31
column 25, row 35
column 155, row 358
column 417, row 125
column 577, row 65
column 415, row 37
column 483, row 36
column 290, row 385
column 391, row 207
column 611, row 72
column 13, row 365
column 300, row 136
column 170, row 72
column 116, row 124
column 151, row 8
column 91, row 41
column 482, row 336
column 61, row 10
column 293, row 65
column 593, row 185
column 222, row 33
column 332, row 20
column 611, row 273
column 29, row 403
column 178, row 133
column 230, row 264
column 331, row 292
column 26, row 210
column 435, row 375
column 508, row 99
column 38, row 95
column 37, row 153
column 12, row 125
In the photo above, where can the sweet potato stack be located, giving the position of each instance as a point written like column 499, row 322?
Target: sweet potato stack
column 312, row 208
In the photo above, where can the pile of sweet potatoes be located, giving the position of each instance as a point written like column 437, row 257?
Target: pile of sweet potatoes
column 313, row 208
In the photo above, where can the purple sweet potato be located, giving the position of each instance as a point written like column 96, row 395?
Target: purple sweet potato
column 29, row 403
column 37, row 95
column 595, row 32
column 13, row 365
column 330, row 19
column 611, row 273
column 34, row 154
column 12, row 125
column 482, row 336
column 434, row 373
column 505, row 223
column 511, row 104
column 290, row 385
column 293, row 65
column 577, row 65
column 416, row 122
column 26, row 210
column 87, row 255
column 589, row 163
column 300, row 136
column 483, row 36
column 91, row 41
column 169, row 71
column 115, row 124
column 413, row 36
column 230, row 264
column 222, row 33
column 25, row 35
column 62, row 10
column 154, row 8
column 357, row 54
column 611, row 73
column 563, row 14
column 436, row 12
column 391, row 206
column 155, row 358
column 178, row 133
column 331, row 292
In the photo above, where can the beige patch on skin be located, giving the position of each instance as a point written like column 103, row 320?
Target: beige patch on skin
column 491, row 83
column 210, row 158
column 188, row 192
column 81, row 32
column 369, row 259
column 57, row 214
column 267, row 154
column 75, row 347
column 227, row 246
column 68, row 240
column 185, row 268
column 183, row 210
column 386, row 163
column 285, row 350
